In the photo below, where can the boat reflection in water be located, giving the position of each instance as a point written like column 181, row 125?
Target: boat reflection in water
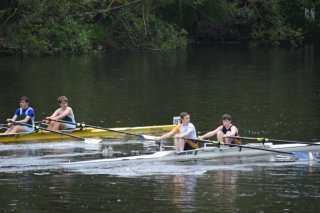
column 184, row 193
column 221, row 191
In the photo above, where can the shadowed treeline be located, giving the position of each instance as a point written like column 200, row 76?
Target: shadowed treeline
column 50, row 27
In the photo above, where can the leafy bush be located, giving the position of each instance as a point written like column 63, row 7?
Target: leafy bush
column 83, row 25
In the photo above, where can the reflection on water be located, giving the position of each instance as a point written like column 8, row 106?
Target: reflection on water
column 221, row 190
column 226, row 182
column 184, row 194
column 269, row 92
column 273, row 93
column 41, row 182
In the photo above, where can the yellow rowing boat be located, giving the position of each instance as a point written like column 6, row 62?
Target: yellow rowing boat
column 85, row 133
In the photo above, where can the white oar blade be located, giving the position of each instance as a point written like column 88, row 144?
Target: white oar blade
column 149, row 137
column 92, row 141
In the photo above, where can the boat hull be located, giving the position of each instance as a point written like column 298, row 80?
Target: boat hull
column 211, row 153
column 85, row 133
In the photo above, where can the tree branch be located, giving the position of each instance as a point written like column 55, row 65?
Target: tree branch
column 14, row 12
column 90, row 13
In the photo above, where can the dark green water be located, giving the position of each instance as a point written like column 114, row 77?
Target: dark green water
column 273, row 93
column 269, row 92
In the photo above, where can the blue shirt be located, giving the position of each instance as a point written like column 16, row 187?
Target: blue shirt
column 23, row 113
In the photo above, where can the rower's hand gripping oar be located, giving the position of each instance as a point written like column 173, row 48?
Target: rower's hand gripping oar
column 36, row 128
column 6, row 126
column 300, row 155
column 263, row 140
column 82, row 125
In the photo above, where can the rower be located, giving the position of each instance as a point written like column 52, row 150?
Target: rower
column 64, row 113
column 25, row 115
column 226, row 129
column 184, row 130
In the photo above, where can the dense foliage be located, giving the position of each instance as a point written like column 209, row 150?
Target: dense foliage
column 57, row 26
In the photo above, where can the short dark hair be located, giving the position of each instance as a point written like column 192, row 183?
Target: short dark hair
column 226, row 117
column 24, row 98
column 182, row 115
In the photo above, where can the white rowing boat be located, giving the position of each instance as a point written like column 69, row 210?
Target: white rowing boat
column 252, row 149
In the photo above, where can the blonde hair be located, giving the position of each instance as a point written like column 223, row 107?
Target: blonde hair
column 62, row 99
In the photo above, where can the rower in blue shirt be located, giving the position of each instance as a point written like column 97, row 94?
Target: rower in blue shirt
column 23, row 115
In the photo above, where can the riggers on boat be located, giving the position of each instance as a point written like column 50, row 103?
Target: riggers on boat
column 252, row 149
column 84, row 132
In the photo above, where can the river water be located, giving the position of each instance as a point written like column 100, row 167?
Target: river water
column 272, row 93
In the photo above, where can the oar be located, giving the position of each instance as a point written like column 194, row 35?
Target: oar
column 262, row 140
column 87, row 140
column 82, row 125
column 309, row 155
column 3, row 126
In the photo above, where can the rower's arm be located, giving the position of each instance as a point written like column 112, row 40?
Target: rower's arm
column 29, row 114
column 64, row 114
column 12, row 119
column 211, row 134
column 54, row 114
column 9, row 120
column 233, row 131
column 165, row 136
column 25, row 120
column 185, row 134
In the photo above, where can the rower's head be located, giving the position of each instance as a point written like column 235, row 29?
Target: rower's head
column 24, row 102
column 226, row 119
column 63, row 101
column 184, row 117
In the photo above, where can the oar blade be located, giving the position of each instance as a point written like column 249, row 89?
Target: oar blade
column 92, row 141
column 306, row 155
column 149, row 137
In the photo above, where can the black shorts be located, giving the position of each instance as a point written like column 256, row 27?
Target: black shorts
column 188, row 147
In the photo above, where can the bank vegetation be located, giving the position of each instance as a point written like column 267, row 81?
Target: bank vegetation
column 78, row 26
